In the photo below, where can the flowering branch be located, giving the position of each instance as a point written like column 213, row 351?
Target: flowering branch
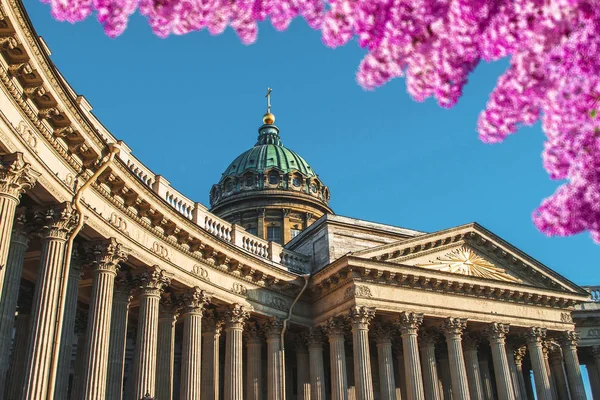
column 554, row 72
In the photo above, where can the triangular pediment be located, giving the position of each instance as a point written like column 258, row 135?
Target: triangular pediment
column 471, row 250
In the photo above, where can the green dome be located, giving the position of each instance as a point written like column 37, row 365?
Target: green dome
column 268, row 153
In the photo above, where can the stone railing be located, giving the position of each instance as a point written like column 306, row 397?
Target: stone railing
column 251, row 243
column 594, row 291
column 295, row 262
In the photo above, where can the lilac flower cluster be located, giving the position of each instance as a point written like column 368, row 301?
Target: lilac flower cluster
column 554, row 71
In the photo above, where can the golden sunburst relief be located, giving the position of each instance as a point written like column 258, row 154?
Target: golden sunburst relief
column 464, row 261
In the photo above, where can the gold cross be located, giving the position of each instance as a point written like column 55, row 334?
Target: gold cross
column 268, row 96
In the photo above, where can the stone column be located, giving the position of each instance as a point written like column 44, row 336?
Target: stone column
column 274, row 359
column 254, row 339
column 568, row 344
column 302, row 363
column 150, row 285
column 400, row 372
column 594, row 379
column 360, row 317
column 545, row 346
column 118, row 336
column 105, row 257
column 519, row 354
column 444, row 374
column 10, row 292
column 556, row 366
column 16, row 177
column 211, row 332
column 57, row 224
column 512, row 367
column 315, row 354
column 470, row 344
column 409, row 326
column 496, row 333
column 168, row 311
column 16, row 372
column 81, row 333
column 427, row 340
column 453, row 328
column 534, row 338
column 486, row 378
column 337, row 358
column 387, row 382
column 191, row 352
column 235, row 317
column 68, row 328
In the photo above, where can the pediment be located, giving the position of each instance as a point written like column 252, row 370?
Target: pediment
column 471, row 250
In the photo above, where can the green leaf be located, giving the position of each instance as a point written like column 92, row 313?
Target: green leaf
column 593, row 113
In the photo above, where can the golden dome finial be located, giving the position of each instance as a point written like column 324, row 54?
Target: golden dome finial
column 268, row 118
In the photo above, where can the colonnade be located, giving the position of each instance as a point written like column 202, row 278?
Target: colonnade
column 394, row 354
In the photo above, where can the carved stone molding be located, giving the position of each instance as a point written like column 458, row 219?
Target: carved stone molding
column 56, row 222
column 168, row 308
column 409, row 322
column 428, row 337
column 357, row 291
column 454, row 326
column 124, row 287
column 105, row 255
column 153, row 281
column 314, row 336
column 195, row 299
column 200, row 272
column 470, row 341
column 16, row 175
column 520, row 354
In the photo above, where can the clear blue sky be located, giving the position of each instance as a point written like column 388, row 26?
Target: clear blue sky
column 188, row 105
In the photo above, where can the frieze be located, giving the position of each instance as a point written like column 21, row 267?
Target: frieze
column 161, row 251
column 200, row 272
column 357, row 291
column 566, row 317
column 27, row 135
column 118, row 222
column 278, row 303
column 238, row 288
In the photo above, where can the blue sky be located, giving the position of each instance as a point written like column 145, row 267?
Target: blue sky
column 188, row 105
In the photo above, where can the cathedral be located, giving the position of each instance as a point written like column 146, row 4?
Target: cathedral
column 116, row 286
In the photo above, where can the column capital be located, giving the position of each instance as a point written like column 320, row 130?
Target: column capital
column 56, row 221
column 152, row 282
column 454, row 327
column 555, row 354
column 272, row 328
column 213, row 321
column 314, row 336
column 568, row 339
column 105, row 255
column 21, row 229
column 168, row 308
column 335, row 327
column 535, row 335
column 76, row 266
column 596, row 352
column 360, row 316
column 382, row 332
column 16, row 175
column 409, row 322
column 470, row 341
column 497, row 331
column 236, row 316
column 124, row 287
column 253, row 332
column 300, row 344
column 427, row 337
column 520, row 354
column 194, row 300
column 545, row 348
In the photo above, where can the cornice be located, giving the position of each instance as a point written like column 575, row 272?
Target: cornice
column 480, row 238
column 359, row 270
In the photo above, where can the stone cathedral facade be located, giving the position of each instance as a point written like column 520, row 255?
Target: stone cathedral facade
column 115, row 286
